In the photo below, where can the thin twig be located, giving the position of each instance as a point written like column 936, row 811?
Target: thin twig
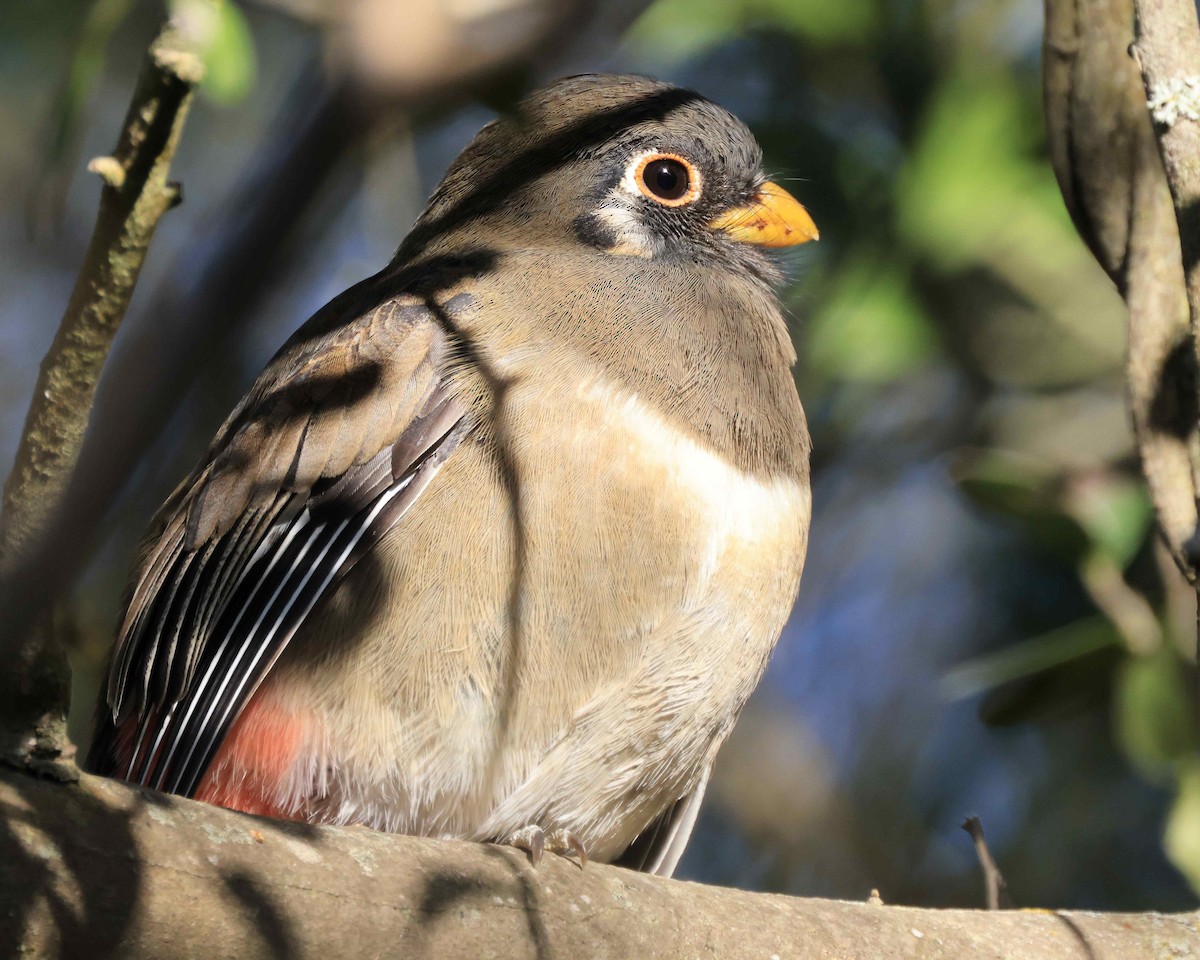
column 136, row 193
column 210, row 295
column 994, row 888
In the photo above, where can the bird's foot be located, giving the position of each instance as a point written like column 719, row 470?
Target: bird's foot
column 536, row 841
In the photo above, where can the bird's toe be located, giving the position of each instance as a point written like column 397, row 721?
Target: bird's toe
column 564, row 843
column 536, row 841
column 531, row 839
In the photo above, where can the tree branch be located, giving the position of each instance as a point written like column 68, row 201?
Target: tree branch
column 1106, row 160
column 136, row 193
column 1168, row 51
column 103, row 869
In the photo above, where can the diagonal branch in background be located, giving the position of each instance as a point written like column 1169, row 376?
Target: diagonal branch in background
column 1104, row 154
column 136, row 193
column 210, row 293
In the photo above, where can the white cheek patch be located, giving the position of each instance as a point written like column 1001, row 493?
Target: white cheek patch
column 632, row 238
column 619, row 213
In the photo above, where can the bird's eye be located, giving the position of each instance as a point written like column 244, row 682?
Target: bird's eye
column 667, row 179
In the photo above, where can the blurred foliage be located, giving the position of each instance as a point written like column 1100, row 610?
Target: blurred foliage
column 67, row 114
column 682, row 29
column 225, row 43
column 946, row 251
column 870, row 326
column 79, row 84
column 1183, row 828
column 1154, row 718
column 986, row 624
column 1027, row 658
column 1029, row 493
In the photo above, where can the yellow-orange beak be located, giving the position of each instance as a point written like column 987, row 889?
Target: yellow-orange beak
column 774, row 218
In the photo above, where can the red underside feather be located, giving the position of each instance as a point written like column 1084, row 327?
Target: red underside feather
column 260, row 750
column 248, row 771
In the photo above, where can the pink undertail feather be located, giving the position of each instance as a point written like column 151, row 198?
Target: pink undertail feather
column 253, row 767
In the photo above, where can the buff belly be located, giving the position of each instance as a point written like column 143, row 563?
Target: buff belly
column 581, row 677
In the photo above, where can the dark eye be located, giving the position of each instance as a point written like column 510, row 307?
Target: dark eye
column 667, row 179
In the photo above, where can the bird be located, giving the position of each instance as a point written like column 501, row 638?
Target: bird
column 500, row 541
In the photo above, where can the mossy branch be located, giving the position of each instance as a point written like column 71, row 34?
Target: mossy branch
column 135, row 195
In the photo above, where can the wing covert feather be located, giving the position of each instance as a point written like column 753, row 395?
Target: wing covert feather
column 333, row 443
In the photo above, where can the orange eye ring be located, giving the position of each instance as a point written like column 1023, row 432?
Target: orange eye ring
column 667, row 179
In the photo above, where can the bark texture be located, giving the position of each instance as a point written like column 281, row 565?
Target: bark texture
column 1167, row 49
column 34, row 689
column 1106, row 159
column 136, row 194
column 101, row 869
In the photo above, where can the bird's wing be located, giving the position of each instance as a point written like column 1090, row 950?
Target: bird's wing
column 334, row 442
column 660, row 846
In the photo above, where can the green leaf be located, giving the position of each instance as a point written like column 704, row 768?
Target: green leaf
column 1117, row 515
column 230, row 63
column 822, row 22
column 680, row 29
column 219, row 31
column 1029, row 657
column 972, row 184
column 980, row 208
column 1153, row 714
column 1182, row 838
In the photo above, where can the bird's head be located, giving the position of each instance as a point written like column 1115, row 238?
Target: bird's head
column 622, row 165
